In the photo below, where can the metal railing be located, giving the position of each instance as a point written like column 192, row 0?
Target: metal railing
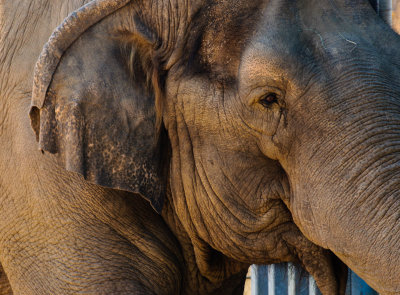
column 384, row 9
column 286, row 278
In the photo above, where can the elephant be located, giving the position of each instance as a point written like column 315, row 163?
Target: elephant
column 167, row 145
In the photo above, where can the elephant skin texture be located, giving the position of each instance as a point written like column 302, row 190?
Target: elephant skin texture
column 167, row 145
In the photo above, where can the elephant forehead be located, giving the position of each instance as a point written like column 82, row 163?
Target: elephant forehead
column 277, row 48
column 294, row 41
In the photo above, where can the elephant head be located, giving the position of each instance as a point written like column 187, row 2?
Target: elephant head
column 257, row 124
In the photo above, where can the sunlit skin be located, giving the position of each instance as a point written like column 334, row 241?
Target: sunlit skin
column 184, row 141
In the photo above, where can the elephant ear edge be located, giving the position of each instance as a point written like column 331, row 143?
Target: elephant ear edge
column 73, row 26
column 98, row 122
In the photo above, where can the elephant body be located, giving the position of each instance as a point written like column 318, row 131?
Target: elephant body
column 167, row 145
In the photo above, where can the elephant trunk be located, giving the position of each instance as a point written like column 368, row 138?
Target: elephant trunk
column 343, row 157
column 345, row 180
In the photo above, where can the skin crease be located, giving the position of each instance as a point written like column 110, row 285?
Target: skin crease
column 247, row 182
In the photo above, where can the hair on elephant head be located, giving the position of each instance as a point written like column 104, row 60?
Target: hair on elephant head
column 226, row 111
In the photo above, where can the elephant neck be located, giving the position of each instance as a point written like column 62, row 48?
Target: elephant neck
column 206, row 271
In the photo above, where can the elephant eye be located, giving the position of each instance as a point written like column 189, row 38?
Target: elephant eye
column 267, row 100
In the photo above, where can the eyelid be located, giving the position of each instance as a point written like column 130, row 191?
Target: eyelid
column 256, row 94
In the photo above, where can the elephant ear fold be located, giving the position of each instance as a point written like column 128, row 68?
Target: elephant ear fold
column 99, row 115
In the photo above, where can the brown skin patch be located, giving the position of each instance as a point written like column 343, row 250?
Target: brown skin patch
column 221, row 45
column 224, row 221
column 242, row 165
column 225, row 192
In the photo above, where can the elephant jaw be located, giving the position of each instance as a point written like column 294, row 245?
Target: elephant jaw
column 217, row 257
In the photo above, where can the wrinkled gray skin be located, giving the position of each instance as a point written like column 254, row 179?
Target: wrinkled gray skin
column 279, row 139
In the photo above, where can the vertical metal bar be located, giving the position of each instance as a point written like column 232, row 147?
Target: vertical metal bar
column 259, row 279
column 385, row 10
column 312, row 286
column 291, row 272
column 254, row 279
column 271, row 279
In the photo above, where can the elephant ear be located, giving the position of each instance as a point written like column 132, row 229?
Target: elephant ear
column 94, row 107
